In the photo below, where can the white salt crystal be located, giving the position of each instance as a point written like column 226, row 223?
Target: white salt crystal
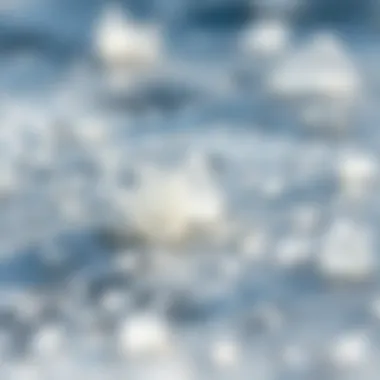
column 225, row 353
column 167, row 206
column 254, row 245
column 347, row 252
column 48, row 341
column 267, row 37
column 357, row 174
column 296, row 357
column 123, row 42
column 322, row 67
column 351, row 350
column 144, row 334
column 292, row 251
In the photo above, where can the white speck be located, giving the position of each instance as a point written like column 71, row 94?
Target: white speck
column 351, row 350
column 265, row 38
column 321, row 67
column 296, row 357
column 144, row 335
column 168, row 206
column 347, row 252
column 305, row 218
column 225, row 353
column 93, row 132
column 122, row 43
column 48, row 341
column 168, row 368
column 113, row 301
column 292, row 251
column 273, row 187
column 357, row 174
column 254, row 246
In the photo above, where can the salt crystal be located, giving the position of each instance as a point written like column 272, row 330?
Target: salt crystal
column 357, row 174
column 292, row 251
column 265, row 38
column 143, row 335
column 351, row 350
column 322, row 67
column 295, row 357
column 168, row 206
column 254, row 245
column 347, row 252
column 225, row 353
column 48, row 340
column 125, row 43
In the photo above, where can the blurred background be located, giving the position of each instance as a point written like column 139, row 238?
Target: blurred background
column 189, row 189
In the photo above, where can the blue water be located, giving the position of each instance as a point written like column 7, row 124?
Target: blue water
column 63, row 267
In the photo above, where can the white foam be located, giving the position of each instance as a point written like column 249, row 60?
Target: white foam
column 144, row 334
column 169, row 205
column 48, row 341
column 347, row 252
column 350, row 350
column 122, row 42
column 293, row 251
column 254, row 245
column 321, row 67
column 357, row 174
column 225, row 353
column 265, row 38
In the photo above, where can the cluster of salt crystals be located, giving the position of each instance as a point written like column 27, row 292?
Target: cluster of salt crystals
column 358, row 174
column 127, row 48
column 293, row 251
column 265, row 38
column 225, row 353
column 254, row 245
column 169, row 206
column 48, row 342
column 322, row 67
column 144, row 334
column 351, row 350
column 347, row 252
column 174, row 367
column 323, row 75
